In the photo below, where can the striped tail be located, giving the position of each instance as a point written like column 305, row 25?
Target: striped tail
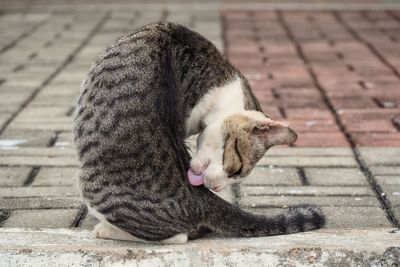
column 226, row 218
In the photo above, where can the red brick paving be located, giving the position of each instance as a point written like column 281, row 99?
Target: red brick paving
column 305, row 1
column 333, row 76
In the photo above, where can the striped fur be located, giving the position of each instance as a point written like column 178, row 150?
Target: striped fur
column 129, row 133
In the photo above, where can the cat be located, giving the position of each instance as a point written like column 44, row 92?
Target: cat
column 142, row 97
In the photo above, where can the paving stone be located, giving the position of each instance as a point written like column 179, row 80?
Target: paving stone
column 392, row 192
column 327, row 201
column 55, row 176
column 38, row 151
column 64, row 140
column 39, row 203
column 334, row 176
column 272, row 176
column 46, row 191
column 30, row 137
column 305, row 191
column 47, row 112
column 387, row 180
column 302, row 161
column 380, row 156
column 38, row 161
column 309, row 151
column 56, row 124
column 54, row 218
column 385, row 170
column 13, row 176
column 324, row 140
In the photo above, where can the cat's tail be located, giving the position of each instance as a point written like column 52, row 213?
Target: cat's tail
column 230, row 219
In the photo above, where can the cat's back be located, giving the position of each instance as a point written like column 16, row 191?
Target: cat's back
column 136, row 57
column 117, row 116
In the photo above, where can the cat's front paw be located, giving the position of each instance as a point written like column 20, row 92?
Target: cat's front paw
column 101, row 230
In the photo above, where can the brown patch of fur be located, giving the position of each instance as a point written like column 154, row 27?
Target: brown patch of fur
column 247, row 140
column 238, row 147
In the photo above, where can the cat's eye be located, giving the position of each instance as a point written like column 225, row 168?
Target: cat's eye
column 235, row 174
column 239, row 170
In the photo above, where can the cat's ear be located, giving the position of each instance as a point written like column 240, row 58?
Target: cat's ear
column 231, row 157
column 273, row 132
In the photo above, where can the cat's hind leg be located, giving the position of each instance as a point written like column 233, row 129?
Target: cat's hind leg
column 108, row 231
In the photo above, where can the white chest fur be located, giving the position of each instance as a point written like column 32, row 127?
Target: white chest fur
column 217, row 104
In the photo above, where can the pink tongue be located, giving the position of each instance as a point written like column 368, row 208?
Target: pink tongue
column 195, row 179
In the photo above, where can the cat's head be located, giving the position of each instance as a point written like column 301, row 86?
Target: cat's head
column 228, row 151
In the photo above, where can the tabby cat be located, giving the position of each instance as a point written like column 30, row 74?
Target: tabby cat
column 143, row 96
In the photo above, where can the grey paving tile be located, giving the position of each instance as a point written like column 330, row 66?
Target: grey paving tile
column 327, row 201
column 392, row 192
column 13, row 176
column 64, row 140
column 387, row 180
column 46, row 191
column 54, row 218
column 385, row 170
column 310, row 151
column 38, row 161
column 335, row 176
column 272, row 176
column 305, row 191
column 39, row 151
column 380, row 156
column 39, row 203
column 306, row 161
column 30, row 137
column 55, row 176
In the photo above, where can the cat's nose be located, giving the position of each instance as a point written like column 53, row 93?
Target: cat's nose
column 199, row 166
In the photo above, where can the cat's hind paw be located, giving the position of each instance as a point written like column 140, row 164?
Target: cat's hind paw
column 180, row 238
column 105, row 231
column 102, row 230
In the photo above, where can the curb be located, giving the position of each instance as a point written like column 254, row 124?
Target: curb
column 62, row 247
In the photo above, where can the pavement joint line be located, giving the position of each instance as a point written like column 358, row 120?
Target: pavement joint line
column 365, row 42
column 4, row 215
column 385, row 202
column 82, row 214
column 366, row 15
column 302, row 176
column 53, row 139
column 24, row 35
column 70, row 112
column 68, row 60
column 363, row 167
column 31, row 176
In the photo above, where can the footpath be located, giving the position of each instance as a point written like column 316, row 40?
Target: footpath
column 330, row 71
